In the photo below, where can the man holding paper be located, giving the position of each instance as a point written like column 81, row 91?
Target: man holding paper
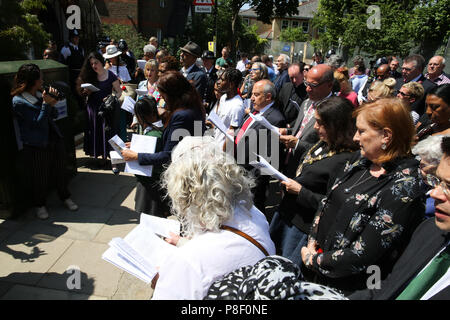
column 250, row 137
column 302, row 136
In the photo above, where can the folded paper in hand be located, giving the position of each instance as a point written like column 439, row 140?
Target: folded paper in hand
column 141, row 64
column 141, row 144
column 117, row 144
column 141, row 252
column 90, row 87
column 128, row 104
column 263, row 121
column 266, row 168
column 141, row 92
column 214, row 118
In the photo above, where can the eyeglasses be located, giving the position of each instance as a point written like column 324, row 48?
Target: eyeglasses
column 255, row 69
column 312, row 85
column 306, row 69
column 435, row 182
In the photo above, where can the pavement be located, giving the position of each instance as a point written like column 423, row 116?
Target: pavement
column 60, row 258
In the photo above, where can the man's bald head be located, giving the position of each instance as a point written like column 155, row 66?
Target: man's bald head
column 383, row 72
column 319, row 82
column 435, row 66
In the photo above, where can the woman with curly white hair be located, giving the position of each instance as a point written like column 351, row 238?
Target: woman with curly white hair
column 211, row 197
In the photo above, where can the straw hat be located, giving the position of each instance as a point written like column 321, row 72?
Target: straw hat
column 111, row 52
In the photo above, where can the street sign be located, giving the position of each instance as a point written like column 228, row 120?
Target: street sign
column 203, row 9
column 203, row 2
column 212, row 46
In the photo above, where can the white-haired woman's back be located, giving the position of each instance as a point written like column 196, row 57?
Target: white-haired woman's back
column 209, row 191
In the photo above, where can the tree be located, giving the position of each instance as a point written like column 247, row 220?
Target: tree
column 403, row 25
column 21, row 30
column 265, row 9
column 135, row 40
column 293, row 35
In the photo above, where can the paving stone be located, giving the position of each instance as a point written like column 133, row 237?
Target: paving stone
column 21, row 292
column 131, row 288
column 119, row 225
column 83, row 224
column 25, row 257
column 98, row 277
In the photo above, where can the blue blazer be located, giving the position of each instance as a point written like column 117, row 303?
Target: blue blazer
column 35, row 121
column 199, row 79
column 181, row 123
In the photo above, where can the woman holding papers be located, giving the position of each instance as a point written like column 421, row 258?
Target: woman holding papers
column 186, row 116
column 149, row 86
column 42, row 153
column 94, row 72
column 148, row 197
column 290, row 226
column 371, row 210
column 211, row 197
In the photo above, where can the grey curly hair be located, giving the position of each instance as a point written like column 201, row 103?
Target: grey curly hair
column 204, row 185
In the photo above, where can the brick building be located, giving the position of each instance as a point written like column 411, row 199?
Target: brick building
column 161, row 18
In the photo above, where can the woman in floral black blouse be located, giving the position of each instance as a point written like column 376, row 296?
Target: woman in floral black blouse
column 316, row 172
column 368, row 216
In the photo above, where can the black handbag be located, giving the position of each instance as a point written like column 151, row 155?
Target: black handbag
column 109, row 112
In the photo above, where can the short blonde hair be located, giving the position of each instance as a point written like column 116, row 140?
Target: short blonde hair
column 204, row 185
column 383, row 89
column 415, row 89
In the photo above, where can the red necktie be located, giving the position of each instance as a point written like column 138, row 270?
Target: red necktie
column 244, row 127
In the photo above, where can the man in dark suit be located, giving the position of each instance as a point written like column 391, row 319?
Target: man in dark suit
column 251, row 135
column 292, row 93
column 422, row 272
column 209, row 98
column 195, row 75
column 412, row 69
column 302, row 136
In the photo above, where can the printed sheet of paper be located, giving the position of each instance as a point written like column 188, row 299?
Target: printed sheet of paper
column 214, row 118
column 259, row 118
column 141, row 92
column 139, row 253
column 141, row 144
column 141, row 64
column 117, row 144
column 90, row 87
column 268, row 169
column 128, row 104
column 116, row 157
column 160, row 226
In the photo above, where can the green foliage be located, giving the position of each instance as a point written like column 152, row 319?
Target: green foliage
column 293, row 35
column 135, row 40
column 404, row 25
column 267, row 9
column 21, row 29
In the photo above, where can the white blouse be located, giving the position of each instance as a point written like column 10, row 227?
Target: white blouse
column 192, row 269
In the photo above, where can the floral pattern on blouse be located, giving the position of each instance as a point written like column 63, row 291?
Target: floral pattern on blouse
column 369, row 224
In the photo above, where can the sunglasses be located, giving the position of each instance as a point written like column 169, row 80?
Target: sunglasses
column 312, row 85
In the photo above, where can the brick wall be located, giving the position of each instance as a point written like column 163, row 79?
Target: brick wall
column 117, row 11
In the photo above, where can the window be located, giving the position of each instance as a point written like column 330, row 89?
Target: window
column 159, row 35
column 295, row 24
column 284, row 24
column 246, row 21
column 162, row 3
column 305, row 26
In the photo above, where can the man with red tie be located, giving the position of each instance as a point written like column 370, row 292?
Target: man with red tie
column 253, row 137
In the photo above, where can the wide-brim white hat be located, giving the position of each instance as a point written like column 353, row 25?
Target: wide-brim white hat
column 111, row 52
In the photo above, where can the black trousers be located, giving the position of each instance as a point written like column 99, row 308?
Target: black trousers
column 42, row 167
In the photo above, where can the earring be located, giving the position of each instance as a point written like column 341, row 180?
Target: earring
column 383, row 146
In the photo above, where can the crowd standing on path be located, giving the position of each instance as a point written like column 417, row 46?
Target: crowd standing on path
column 362, row 158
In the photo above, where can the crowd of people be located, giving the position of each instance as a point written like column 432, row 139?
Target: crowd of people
column 364, row 152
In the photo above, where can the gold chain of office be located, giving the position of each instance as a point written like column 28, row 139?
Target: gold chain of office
column 309, row 160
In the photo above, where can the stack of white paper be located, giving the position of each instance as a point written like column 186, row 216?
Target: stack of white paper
column 141, row 144
column 266, row 168
column 263, row 121
column 128, row 104
column 141, row 252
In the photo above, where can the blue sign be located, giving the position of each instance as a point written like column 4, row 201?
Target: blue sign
column 286, row 48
